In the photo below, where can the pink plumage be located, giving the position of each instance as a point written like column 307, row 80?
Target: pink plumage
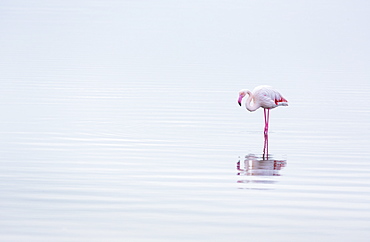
column 265, row 97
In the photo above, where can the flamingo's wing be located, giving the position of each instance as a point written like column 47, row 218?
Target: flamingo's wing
column 269, row 98
column 266, row 99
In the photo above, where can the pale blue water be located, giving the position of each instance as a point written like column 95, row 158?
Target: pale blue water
column 119, row 121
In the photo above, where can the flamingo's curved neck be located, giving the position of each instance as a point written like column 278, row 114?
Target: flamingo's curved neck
column 250, row 107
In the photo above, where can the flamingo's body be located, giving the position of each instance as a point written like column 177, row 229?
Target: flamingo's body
column 265, row 97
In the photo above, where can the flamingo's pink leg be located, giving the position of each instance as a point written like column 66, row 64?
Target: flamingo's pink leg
column 266, row 147
column 266, row 114
column 268, row 117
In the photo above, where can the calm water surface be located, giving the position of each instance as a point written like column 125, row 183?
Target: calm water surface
column 119, row 122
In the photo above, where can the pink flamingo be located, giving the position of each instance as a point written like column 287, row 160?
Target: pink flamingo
column 265, row 97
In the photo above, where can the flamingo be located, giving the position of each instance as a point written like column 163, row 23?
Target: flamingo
column 265, row 97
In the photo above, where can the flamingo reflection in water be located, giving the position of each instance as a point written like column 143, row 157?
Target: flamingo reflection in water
column 259, row 170
column 259, row 166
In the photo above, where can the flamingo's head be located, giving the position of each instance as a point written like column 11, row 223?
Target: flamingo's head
column 242, row 94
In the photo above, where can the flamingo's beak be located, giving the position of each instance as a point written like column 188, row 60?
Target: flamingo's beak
column 240, row 100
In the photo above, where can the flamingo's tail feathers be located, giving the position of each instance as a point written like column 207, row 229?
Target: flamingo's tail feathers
column 281, row 102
